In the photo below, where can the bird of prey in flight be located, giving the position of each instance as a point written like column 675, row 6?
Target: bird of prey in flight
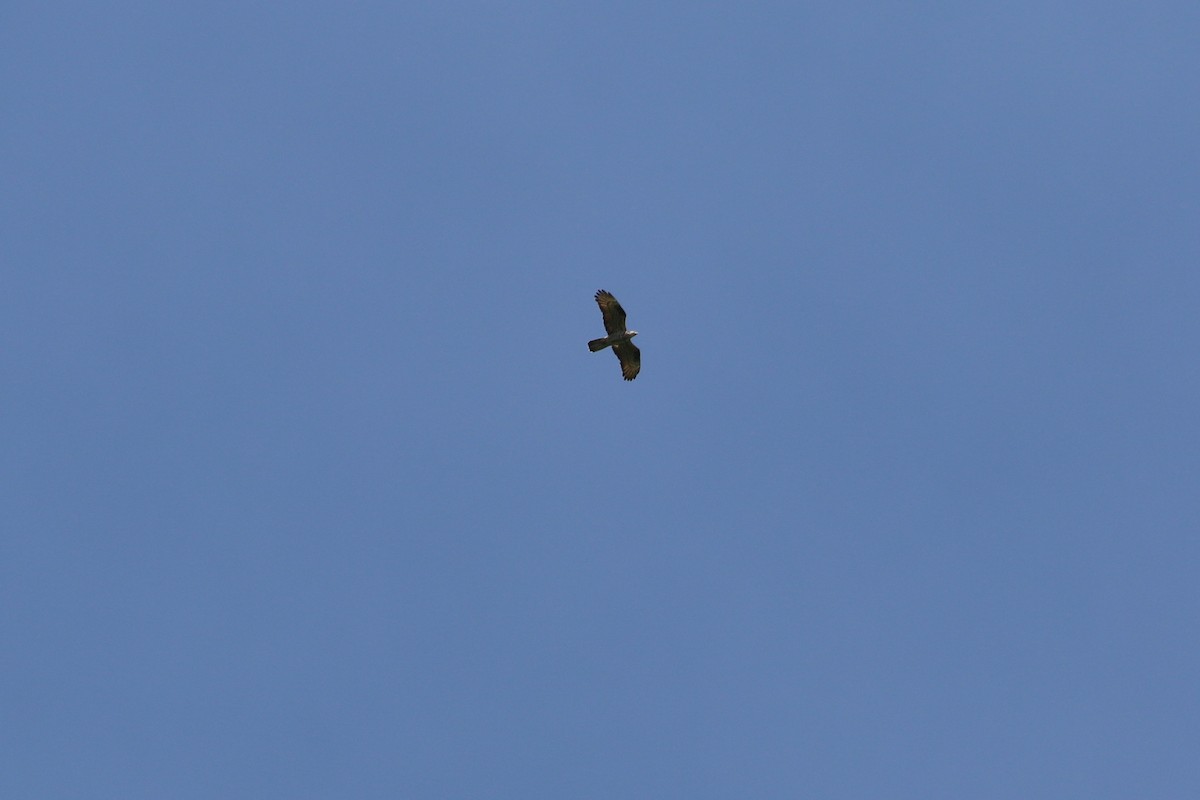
column 619, row 338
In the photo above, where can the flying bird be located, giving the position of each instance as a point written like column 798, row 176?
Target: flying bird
column 619, row 338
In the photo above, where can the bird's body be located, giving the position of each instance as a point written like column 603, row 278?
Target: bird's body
column 609, row 341
column 619, row 338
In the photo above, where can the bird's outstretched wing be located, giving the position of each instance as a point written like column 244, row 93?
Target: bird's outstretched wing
column 614, row 315
column 630, row 358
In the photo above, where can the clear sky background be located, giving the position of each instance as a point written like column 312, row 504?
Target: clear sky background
column 311, row 489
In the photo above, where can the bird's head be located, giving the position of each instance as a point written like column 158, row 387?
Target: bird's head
column 632, row 334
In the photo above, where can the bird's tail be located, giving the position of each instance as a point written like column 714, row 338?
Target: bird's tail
column 598, row 344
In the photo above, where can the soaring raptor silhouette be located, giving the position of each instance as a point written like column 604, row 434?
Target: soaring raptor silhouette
column 619, row 338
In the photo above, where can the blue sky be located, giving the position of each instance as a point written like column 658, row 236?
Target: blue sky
column 311, row 487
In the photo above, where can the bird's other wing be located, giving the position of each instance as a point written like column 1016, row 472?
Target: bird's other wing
column 614, row 315
column 630, row 358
